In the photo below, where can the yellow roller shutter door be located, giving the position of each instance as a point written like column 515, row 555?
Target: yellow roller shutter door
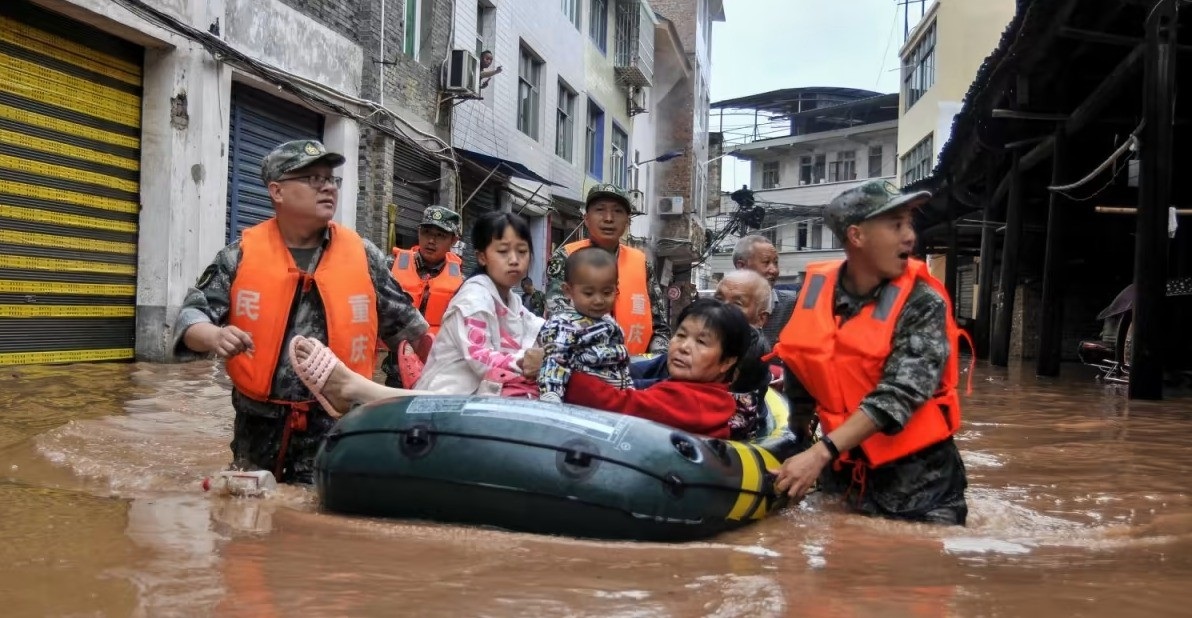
column 70, row 126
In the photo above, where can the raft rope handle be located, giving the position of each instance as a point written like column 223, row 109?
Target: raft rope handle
column 660, row 478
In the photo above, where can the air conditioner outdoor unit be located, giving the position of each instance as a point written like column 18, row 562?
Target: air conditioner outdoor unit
column 673, row 205
column 462, row 73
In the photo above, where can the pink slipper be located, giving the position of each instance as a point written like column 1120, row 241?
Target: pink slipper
column 409, row 366
column 315, row 370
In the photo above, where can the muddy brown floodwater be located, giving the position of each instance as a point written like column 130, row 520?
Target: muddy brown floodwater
column 1079, row 506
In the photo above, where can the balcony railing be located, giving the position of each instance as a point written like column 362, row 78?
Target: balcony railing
column 634, row 52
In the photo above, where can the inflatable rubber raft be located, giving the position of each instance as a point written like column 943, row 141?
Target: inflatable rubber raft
column 545, row 468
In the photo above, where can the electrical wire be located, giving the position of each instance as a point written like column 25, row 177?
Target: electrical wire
column 310, row 92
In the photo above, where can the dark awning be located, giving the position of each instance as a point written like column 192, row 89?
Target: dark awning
column 504, row 166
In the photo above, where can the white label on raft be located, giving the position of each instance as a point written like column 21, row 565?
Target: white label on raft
column 589, row 423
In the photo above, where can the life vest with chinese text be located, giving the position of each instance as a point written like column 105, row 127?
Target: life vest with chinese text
column 265, row 287
column 632, row 311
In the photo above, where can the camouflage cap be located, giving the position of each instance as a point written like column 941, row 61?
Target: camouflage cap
column 441, row 217
column 296, row 155
column 610, row 191
column 865, row 202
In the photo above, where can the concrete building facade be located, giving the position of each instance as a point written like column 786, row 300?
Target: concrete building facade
column 825, row 141
column 199, row 91
column 939, row 59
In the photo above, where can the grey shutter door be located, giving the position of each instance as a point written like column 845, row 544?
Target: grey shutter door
column 415, row 186
column 70, row 111
column 966, row 278
column 484, row 201
column 259, row 123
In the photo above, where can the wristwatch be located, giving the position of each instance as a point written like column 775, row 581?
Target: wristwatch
column 831, row 446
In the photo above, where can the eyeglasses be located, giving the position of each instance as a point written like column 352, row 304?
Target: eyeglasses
column 316, row 181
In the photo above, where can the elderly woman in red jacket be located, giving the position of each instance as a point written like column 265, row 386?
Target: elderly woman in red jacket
column 711, row 338
column 702, row 358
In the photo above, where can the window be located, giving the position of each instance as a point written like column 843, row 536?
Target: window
column 617, row 161
column 919, row 161
column 598, row 24
column 844, row 167
column 875, row 161
column 594, row 141
column 918, row 68
column 817, row 234
column 770, row 177
column 412, row 25
column 529, row 82
column 811, row 169
column 571, row 10
column 565, row 123
column 484, row 27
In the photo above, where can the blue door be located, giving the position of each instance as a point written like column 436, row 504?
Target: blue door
column 259, row 123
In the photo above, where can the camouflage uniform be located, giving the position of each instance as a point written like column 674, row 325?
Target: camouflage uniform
column 924, row 486
column 258, row 427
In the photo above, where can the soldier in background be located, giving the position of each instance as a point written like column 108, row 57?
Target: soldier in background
column 296, row 274
column 639, row 309
column 429, row 272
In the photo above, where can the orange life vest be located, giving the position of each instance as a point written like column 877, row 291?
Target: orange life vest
column 430, row 295
column 264, row 289
column 632, row 309
column 841, row 365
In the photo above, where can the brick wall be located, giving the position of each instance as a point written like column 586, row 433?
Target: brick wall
column 411, row 87
column 339, row 15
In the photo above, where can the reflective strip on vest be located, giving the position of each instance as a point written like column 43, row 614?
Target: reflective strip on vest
column 841, row 364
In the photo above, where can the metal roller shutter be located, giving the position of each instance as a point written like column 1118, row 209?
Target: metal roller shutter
column 966, row 276
column 415, row 186
column 484, row 201
column 258, row 124
column 70, row 119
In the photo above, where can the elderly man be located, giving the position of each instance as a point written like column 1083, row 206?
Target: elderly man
column 888, row 420
column 749, row 291
column 296, row 274
column 638, row 308
column 758, row 254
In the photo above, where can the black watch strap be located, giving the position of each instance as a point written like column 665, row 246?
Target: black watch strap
column 831, row 446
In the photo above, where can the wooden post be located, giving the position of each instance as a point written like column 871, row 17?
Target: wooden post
column 1154, row 197
column 952, row 259
column 981, row 330
column 1051, row 329
column 999, row 349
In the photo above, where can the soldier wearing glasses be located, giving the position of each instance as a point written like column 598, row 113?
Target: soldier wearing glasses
column 296, row 274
